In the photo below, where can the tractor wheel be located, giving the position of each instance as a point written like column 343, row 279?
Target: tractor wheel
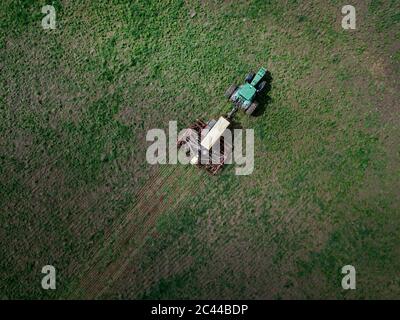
column 230, row 91
column 253, row 106
column 249, row 77
column 261, row 86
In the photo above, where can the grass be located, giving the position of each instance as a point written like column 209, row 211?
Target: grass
column 75, row 106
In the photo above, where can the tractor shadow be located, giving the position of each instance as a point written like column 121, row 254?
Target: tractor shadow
column 264, row 99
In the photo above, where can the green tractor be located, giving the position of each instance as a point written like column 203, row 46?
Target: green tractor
column 244, row 96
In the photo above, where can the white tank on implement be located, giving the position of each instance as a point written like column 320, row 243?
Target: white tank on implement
column 215, row 133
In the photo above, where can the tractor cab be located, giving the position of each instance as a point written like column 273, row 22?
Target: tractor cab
column 245, row 94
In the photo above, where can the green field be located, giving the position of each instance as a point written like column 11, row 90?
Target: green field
column 77, row 193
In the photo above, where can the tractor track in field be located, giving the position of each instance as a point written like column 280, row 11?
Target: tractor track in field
column 147, row 188
column 171, row 204
column 114, row 233
column 152, row 274
column 148, row 214
column 129, row 233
